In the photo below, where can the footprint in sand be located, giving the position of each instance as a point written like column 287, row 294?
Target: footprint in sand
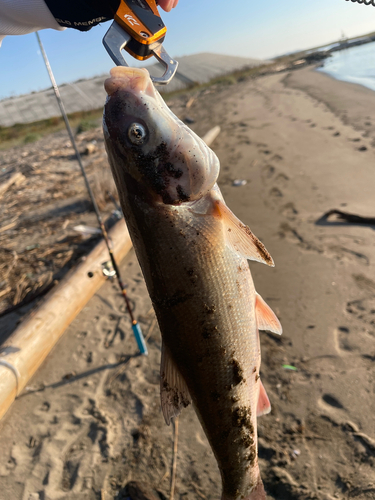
column 331, row 251
column 9, row 466
column 332, row 402
column 279, row 179
column 289, row 232
column 364, row 283
column 282, row 178
column 364, row 310
column 235, row 158
column 94, row 443
column 275, row 192
column 343, row 341
column 341, row 253
column 337, row 252
column 243, row 139
column 289, row 210
column 118, row 335
column 268, row 171
column 276, row 157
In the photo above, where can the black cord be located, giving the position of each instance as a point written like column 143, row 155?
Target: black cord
column 365, row 2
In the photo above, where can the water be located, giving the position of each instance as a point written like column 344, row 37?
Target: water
column 355, row 65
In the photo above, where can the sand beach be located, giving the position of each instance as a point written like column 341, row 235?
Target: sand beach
column 89, row 424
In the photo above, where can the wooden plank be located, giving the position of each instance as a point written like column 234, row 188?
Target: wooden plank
column 30, row 343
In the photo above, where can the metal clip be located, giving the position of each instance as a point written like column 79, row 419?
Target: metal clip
column 116, row 39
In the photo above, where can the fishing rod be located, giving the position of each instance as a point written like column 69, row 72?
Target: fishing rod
column 135, row 325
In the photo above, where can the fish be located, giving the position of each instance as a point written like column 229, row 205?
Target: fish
column 193, row 252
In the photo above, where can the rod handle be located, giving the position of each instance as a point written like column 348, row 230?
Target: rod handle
column 140, row 339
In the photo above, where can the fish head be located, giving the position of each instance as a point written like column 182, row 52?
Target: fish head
column 148, row 142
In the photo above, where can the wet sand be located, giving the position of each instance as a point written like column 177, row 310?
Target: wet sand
column 90, row 421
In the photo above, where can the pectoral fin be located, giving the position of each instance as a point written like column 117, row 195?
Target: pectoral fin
column 264, row 405
column 174, row 393
column 240, row 237
column 266, row 318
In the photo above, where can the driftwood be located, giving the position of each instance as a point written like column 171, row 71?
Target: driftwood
column 16, row 178
column 347, row 217
column 31, row 342
column 211, row 135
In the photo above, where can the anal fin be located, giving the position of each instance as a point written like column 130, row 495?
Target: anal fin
column 174, row 393
column 264, row 405
column 266, row 318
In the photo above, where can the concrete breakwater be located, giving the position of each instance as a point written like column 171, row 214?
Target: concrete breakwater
column 85, row 95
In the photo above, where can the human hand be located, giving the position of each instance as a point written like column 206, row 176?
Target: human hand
column 90, row 12
column 21, row 17
column 168, row 5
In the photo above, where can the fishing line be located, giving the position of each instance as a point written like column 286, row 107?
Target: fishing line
column 135, row 325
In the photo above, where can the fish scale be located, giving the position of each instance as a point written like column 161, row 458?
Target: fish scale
column 193, row 253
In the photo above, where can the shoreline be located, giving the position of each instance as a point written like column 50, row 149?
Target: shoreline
column 353, row 103
column 343, row 63
column 321, row 70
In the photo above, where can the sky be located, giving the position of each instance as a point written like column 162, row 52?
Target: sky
column 248, row 28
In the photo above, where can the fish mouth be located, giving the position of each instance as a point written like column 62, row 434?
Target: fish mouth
column 136, row 80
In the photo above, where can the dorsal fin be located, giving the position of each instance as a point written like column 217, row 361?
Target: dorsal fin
column 266, row 318
column 264, row 405
column 174, row 394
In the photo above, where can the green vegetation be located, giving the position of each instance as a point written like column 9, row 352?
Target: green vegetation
column 22, row 133
column 85, row 125
column 229, row 79
column 232, row 78
column 32, row 137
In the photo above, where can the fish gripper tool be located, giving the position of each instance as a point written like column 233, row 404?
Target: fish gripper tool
column 139, row 29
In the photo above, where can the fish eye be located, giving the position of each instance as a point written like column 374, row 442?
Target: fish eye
column 137, row 133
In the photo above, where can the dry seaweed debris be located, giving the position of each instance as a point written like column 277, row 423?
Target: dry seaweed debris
column 45, row 197
column 26, row 275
